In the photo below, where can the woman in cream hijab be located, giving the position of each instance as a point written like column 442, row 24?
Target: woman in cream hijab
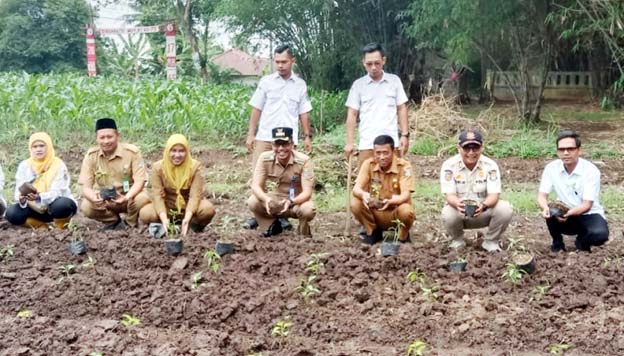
column 178, row 186
column 42, row 188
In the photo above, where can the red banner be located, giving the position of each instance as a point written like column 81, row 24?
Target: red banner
column 91, row 68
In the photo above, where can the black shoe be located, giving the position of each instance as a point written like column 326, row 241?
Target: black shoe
column 557, row 248
column 286, row 225
column 197, row 228
column 371, row 239
column 274, row 229
column 250, row 224
column 117, row 225
column 408, row 239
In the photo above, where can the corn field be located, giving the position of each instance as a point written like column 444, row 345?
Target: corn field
column 147, row 111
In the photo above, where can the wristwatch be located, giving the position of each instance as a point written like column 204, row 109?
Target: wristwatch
column 308, row 135
column 405, row 134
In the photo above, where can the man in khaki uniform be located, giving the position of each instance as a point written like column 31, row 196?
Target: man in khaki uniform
column 115, row 164
column 471, row 176
column 281, row 100
column 383, row 192
column 292, row 175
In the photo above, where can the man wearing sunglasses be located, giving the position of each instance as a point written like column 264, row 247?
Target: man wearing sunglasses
column 576, row 182
column 470, row 178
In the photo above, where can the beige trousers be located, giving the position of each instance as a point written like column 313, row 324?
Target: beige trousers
column 106, row 215
column 203, row 216
column 304, row 212
column 496, row 219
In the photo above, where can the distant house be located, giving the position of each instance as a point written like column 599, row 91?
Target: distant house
column 247, row 69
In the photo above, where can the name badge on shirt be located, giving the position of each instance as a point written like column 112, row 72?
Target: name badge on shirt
column 125, row 185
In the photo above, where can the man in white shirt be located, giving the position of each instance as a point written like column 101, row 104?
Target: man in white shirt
column 281, row 100
column 471, row 176
column 576, row 182
column 378, row 98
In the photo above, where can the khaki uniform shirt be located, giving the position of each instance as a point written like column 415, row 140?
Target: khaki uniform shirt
column 484, row 178
column 276, row 178
column 399, row 178
column 164, row 196
column 125, row 163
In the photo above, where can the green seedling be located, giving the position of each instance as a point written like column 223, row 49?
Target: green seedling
column 7, row 251
column 96, row 354
column 129, row 320
column 539, row 292
column 75, row 230
column 197, row 280
column 417, row 276
column 227, row 228
column 416, row 348
column 430, row 292
column 255, row 354
column 90, row 262
column 24, row 314
column 513, row 274
column 68, row 269
column 307, row 288
column 395, row 231
column 281, row 328
column 557, row 349
column 315, row 264
column 101, row 177
column 608, row 261
column 213, row 260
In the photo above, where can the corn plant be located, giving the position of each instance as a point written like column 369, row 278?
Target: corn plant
column 307, row 288
column 213, row 260
column 129, row 320
column 416, row 348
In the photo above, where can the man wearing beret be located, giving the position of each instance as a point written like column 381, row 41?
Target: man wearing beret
column 471, row 176
column 383, row 193
column 282, row 185
column 115, row 165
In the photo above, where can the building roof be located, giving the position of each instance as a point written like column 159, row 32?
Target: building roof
column 241, row 62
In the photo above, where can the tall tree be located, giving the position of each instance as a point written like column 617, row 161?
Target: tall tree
column 326, row 34
column 43, row 35
column 507, row 35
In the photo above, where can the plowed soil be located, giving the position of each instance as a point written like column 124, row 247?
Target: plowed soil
column 365, row 304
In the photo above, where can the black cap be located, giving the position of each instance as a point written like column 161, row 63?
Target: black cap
column 105, row 123
column 282, row 134
column 470, row 136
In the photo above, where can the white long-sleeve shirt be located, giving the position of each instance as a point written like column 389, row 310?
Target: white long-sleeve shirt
column 59, row 187
column 2, row 201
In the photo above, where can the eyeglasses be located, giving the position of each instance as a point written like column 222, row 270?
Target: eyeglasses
column 473, row 148
column 566, row 149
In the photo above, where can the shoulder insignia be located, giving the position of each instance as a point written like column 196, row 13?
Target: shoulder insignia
column 300, row 158
column 407, row 172
column 492, row 175
column 448, row 175
column 267, row 156
column 130, row 147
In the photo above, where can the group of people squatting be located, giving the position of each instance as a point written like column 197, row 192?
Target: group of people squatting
column 113, row 175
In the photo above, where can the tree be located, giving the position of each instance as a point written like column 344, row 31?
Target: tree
column 43, row 35
column 595, row 27
column 326, row 34
column 506, row 35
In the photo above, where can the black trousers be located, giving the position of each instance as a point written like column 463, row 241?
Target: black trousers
column 61, row 208
column 590, row 230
